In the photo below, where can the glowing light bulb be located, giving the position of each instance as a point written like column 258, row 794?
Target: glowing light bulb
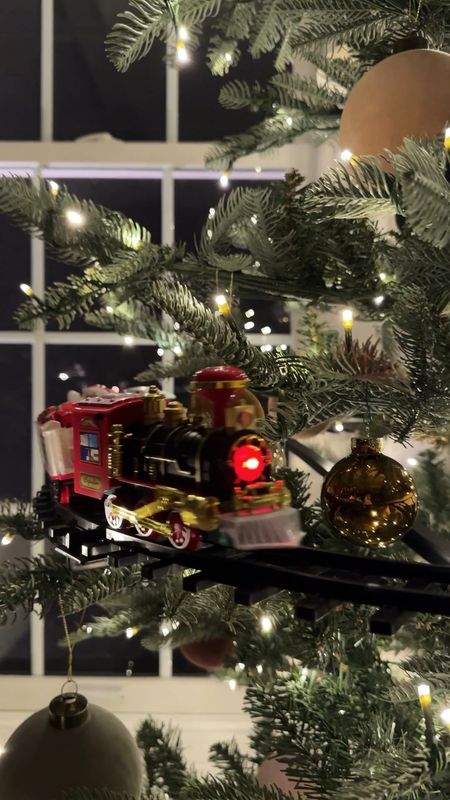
column 347, row 318
column 254, row 219
column 222, row 304
column 182, row 53
column 224, row 180
column 212, row 213
column 266, row 624
column 338, row 426
column 165, row 629
column 221, row 299
column 240, row 666
column 74, row 218
column 228, row 58
column 447, row 138
column 259, row 669
column 379, row 300
column 26, row 289
column 283, row 347
column 346, row 155
column 177, row 350
column 232, row 684
column 258, row 170
column 289, row 122
column 412, row 462
column 160, row 352
column 89, row 629
column 266, row 330
column 128, row 341
column 63, row 376
column 382, row 276
column 250, row 313
column 130, row 632
column 109, row 309
column 54, row 188
column 249, row 325
column 176, row 326
column 423, row 690
column 7, row 538
column 183, row 33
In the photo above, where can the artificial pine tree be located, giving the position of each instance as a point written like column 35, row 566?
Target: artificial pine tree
column 327, row 700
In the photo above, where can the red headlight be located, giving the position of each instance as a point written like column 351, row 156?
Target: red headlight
column 248, row 462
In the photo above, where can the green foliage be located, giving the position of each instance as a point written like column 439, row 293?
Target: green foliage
column 16, row 517
column 163, row 756
column 95, row 794
column 433, row 485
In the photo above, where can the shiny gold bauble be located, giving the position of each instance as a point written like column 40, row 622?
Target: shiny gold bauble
column 368, row 497
column 405, row 95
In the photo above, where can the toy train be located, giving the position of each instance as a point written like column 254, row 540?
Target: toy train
column 158, row 470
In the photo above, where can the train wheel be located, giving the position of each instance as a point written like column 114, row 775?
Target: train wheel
column 183, row 536
column 142, row 530
column 113, row 519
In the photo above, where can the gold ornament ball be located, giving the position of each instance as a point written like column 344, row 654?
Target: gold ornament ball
column 405, row 95
column 368, row 497
column 69, row 745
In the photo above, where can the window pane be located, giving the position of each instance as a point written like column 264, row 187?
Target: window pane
column 138, row 199
column 193, row 199
column 96, row 656
column 20, row 75
column 87, row 365
column 202, row 118
column 15, row 636
column 15, row 416
column 129, row 106
column 15, row 252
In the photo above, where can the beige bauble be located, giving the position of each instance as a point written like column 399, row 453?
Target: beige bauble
column 272, row 773
column 43, row 760
column 405, row 95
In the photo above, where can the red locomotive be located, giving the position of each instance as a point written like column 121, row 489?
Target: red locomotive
column 161, row 471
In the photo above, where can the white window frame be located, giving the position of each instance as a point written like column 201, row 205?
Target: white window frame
column 168, row 160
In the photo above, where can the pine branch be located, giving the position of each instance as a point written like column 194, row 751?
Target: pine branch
column 354, row 190
column 16, row 517
column 81, row 793
column 163, row 756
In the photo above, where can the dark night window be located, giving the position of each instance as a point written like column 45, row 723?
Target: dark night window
column 15, row 414
column 20, row 50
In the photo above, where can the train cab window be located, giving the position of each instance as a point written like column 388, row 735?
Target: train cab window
column 89, row 448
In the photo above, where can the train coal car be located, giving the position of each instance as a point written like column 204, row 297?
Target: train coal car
column 160, row 470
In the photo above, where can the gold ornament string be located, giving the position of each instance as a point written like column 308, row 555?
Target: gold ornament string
column 69, row 648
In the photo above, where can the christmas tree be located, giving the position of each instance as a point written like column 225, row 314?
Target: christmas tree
column 335, row 710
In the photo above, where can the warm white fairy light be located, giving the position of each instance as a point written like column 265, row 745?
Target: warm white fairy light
column 382, row 276
column 128, row 341
column 222, row 304
column 176, row 326
column 165, row 629
column 182, row 53
column 240, row 666
column 266, row 330
column 347, row 318
column 250, row 313
column 338, row 426
column 26, row 289
column 63, row 376
column 212, row 213
column 289, row 122
column 379, row 300
column 177, row 350
column 130, row 632
column 423, row 690
column 266, row 348
column 266, row 623
column 109, row 310
column 283, row 347
column 258, row 170
column 249, row 325
column 412, row 462
column 183, row 33
column 209, row 233
column 228, row 58
column 232, row 684
column 160, row 352
column 254, row 219
column 346, row 155
column 7, row 538
column 54, row 188
column 259, row 669
column 224, row 180
column 89, row 629
column 74, row 218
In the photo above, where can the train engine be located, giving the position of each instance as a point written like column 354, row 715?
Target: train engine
column 159, row 470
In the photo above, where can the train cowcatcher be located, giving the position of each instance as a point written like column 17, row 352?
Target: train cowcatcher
column 158, row 470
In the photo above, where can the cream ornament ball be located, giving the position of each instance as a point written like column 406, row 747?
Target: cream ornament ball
column 70, row 745
column 405, row 95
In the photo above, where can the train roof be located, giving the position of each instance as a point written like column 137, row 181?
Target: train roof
column 107, row 404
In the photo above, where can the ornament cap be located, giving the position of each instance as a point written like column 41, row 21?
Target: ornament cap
column 367, row 446
column 68, row 710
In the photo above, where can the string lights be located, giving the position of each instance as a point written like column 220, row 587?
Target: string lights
column 26, row 289
column 379, row 300
column 128, row 341
column 249, row 325
column 445, row 717
column 54, row 188
column 347, row 321
column 130, row 632
column 265, row 624
column 74, row 218
column 232, row 684
column 7, row 538
column 224, row 180
column 160, row 352
column 63, row 376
